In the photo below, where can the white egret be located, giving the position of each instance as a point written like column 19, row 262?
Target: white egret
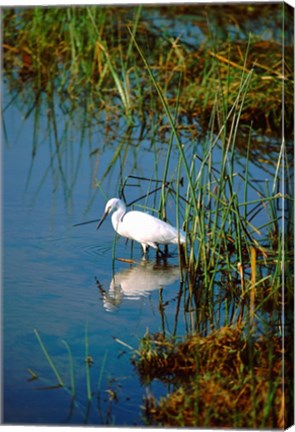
column 141, row 227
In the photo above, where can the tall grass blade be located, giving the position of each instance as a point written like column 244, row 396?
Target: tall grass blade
column 52, row 365
column 253, row 258
column 102, row 369
column 72, row 374
column 169, row 116
column 87, row 364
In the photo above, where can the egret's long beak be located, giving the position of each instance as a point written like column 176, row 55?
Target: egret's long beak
column 101, row 220
column 85, row 223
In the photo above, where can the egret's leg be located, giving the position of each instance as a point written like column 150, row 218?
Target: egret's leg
column 145, row 249
column 160, row 253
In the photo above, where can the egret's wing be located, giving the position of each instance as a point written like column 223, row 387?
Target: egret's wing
column 146, row 228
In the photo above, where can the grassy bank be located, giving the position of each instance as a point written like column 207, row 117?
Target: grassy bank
column 221, row 380
column 86, row 57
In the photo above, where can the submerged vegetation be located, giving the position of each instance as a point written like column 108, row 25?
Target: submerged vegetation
column 206, row 100
column 80, row 404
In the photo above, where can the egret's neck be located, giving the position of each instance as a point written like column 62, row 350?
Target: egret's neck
column 117, row 217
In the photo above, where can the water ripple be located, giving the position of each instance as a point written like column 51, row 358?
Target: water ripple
column 96, row 250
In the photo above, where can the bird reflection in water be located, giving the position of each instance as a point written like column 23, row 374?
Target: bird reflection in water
column 137, row 282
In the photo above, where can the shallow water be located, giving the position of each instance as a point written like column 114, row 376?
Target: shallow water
column 50, row 276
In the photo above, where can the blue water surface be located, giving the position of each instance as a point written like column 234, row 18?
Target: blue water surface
column 50, row 274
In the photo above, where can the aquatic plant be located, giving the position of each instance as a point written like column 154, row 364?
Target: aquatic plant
column 76, row 404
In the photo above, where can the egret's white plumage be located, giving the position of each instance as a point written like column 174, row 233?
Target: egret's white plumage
column 141, row 227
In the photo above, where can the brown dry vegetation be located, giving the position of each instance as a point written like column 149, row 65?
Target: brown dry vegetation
column 222, row 380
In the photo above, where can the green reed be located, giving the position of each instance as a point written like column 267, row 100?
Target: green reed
column 220, row 229
column 88, row 362
column 49, row 359
column 72, row 371
column 71, row 389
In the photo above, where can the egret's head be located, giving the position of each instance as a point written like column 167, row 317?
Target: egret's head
column 111, row 205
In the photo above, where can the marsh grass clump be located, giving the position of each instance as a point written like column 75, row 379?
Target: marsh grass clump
column 223, row 65
column 85, row 57
column 169, row 360
column 225, row 379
